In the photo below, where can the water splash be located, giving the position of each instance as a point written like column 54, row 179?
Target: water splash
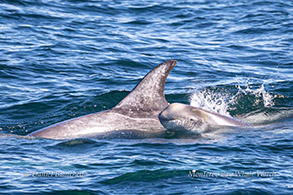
column 211, row 100
column 260, row 94
column 224, row 100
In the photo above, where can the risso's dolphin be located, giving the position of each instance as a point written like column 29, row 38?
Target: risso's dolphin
column 181, row 118
column 136, row 116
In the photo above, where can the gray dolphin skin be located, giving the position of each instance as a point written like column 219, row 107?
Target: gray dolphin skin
column 136, row 116
column 179, row 117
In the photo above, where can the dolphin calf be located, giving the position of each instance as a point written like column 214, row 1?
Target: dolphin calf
column 136, row 116
column 181, row 118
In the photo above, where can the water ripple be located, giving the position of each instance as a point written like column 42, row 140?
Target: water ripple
column 63, row 59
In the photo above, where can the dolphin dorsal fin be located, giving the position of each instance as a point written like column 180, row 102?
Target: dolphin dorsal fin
column 149, row 92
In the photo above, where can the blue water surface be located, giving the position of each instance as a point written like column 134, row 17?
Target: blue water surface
column 64, row 59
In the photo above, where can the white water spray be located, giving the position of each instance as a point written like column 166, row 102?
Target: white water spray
column 210, row 100
column 259, row 93
column 219, row 100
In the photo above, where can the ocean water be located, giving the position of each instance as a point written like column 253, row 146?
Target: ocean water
column 63, row 59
